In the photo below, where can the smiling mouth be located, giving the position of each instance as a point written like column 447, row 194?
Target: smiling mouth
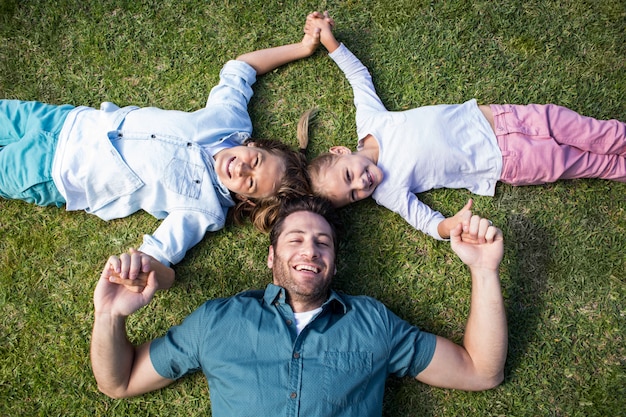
column 370, row 178
column 229, row 166
column 309, row 268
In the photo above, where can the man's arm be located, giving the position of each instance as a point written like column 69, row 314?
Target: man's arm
column 479, row 363
column 120, row 369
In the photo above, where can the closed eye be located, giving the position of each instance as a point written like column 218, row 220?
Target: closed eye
column 324, row 240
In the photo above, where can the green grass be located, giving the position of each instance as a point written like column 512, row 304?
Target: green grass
column 564, row 271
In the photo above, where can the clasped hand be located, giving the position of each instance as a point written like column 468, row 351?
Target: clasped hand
column 478, row 243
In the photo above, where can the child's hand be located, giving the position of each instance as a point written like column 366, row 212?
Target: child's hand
column 121, row 300
column 133, row 269
column 463, row 217
column 135, row 285
column 311, row 39
column 327, row 18
column 322, row 24
column 129, row 269
column 319, row 21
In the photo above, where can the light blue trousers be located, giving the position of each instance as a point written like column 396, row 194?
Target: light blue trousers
column 29, row 132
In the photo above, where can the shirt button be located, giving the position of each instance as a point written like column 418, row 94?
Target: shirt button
column 289, row 322
column 296, row 355
column 293, row 395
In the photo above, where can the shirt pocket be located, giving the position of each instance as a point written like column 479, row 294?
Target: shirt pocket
column 184, row 177
column 346, row 376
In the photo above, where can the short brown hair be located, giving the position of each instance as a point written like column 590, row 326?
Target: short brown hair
column 262, row 212
column 313, row 204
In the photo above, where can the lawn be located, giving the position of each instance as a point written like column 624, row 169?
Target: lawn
column 564, row 270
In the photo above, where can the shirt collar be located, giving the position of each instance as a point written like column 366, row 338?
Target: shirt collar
column 227, row 142
column 223, row 193
column 274, row 294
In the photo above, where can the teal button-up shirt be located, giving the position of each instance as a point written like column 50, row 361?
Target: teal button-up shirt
column 256, row 364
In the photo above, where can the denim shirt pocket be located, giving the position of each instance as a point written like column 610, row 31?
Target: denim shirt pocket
column 112, row 183
column 352, row 370
column 184, row 177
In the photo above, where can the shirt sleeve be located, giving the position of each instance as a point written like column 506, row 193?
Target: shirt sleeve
column 176, row 354
column 235, row 86
column 177, row 233
column 415, row 212
column 410, row 348
column 365, row 98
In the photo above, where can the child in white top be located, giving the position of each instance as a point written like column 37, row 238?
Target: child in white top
column 455, row 146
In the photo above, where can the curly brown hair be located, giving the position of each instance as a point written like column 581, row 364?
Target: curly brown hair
column 262, row 212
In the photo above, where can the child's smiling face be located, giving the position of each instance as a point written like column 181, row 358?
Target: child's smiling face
column 249, row 170
column 349, row 178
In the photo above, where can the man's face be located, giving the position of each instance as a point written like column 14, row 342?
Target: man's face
column 249, row 170
column 303, row 259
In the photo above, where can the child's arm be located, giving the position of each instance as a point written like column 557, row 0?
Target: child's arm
column 266, row 60
column 420, row 215
column 462, row 216
column 133, row 268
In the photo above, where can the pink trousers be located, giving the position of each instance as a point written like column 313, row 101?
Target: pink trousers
column 545, row 143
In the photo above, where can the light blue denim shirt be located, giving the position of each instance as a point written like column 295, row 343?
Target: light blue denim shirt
column 256, row 363
column 115, row 161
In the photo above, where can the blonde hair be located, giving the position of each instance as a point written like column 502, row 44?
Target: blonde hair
column 321, row 162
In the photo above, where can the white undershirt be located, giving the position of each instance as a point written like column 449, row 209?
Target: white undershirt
column 302, row 319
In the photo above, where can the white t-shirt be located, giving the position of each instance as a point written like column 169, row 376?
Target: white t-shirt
column 429, row 147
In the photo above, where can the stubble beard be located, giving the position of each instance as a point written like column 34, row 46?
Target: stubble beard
column 295, row 291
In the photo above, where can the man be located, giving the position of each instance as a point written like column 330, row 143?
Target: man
column 299, row 348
